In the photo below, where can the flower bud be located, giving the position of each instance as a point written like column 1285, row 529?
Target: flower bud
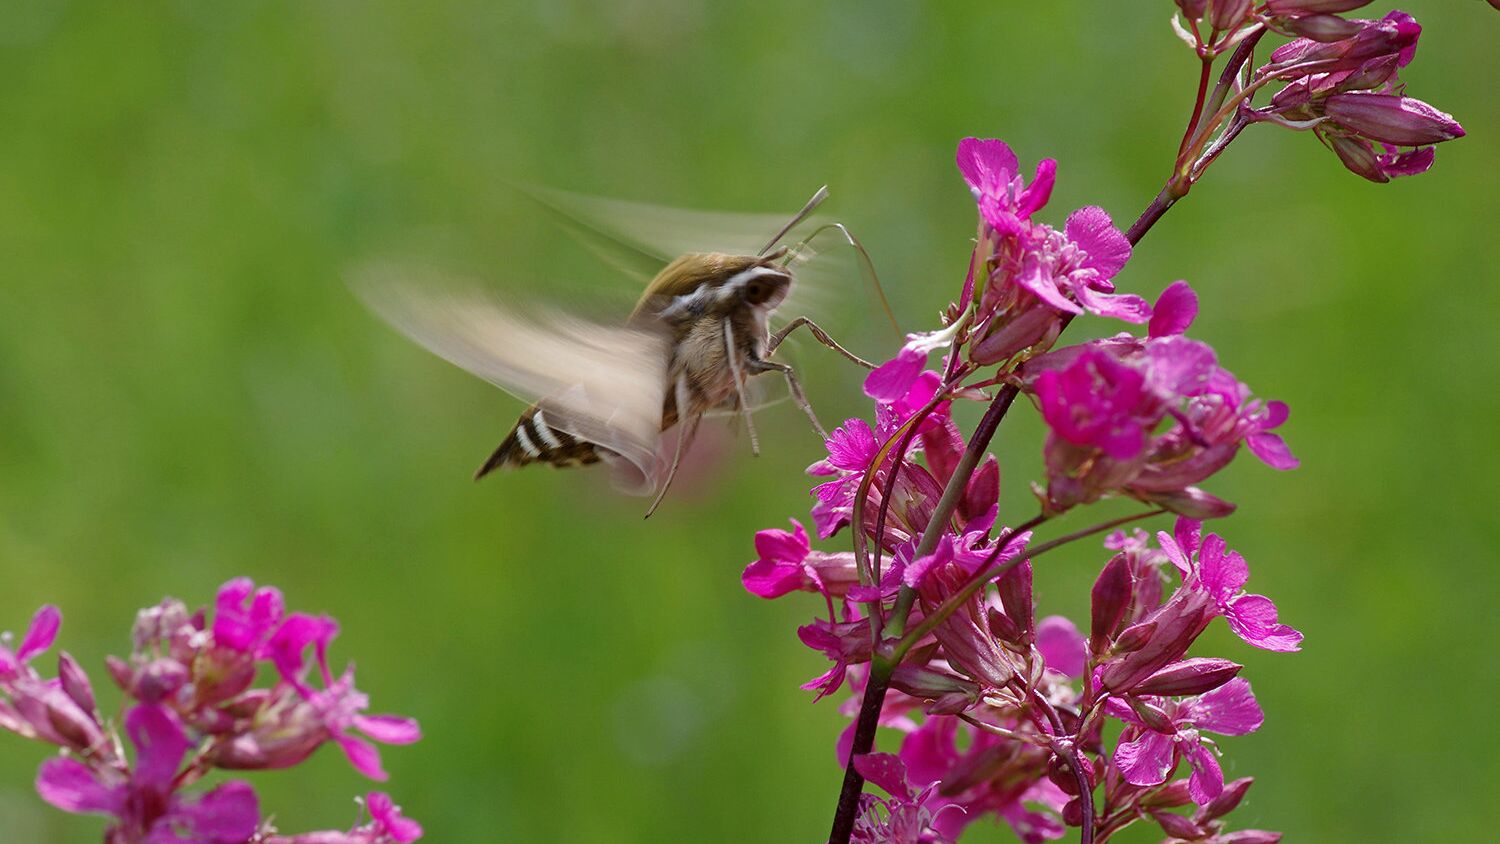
column 160, row 679
column 1153, row 716
column 1392, row 119
column 1228, row 14
column 1110, row 599
column 1192, row 9
column 75, row 682
column 1228, row 799
column 121, row 672
column 76, row 727
column 1178, row 622
column 927, row 684
column 1175, row 793
column 1325, row 28
column 1002, row 627
column 1358, row 157
column 1261, row 836
column 1072, row 813
column 1015, row 595
column 1177, row 826
column 1189, row 677
column 1311, row 7
column 1135, row 637
column 1191, row 502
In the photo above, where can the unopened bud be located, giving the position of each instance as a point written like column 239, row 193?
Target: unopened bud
column 1111, row 598
column 1228, row 799
column 1175, row 793
column 1228, row 14
column 1191, row 502
column 1189, row 677
column 1177, row 826
column 75, row 682
column 926, row 684
column 1310, row 7
column 1358, row 157
column 121, row 672
column 1392, row 119
column 1153, row 716
column 1192, row 9
column 1015, row 595
column 1135, row 637
column 1325, row 28
column 160, row 679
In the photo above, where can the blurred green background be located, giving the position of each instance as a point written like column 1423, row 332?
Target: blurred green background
column 189, row 393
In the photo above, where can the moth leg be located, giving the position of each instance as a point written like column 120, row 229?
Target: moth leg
column 689, row 430
column 822, row 337
column 799, row 397
column 732, row 354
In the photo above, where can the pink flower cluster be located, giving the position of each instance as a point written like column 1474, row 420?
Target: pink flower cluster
column 930, row 620
column 194, row 704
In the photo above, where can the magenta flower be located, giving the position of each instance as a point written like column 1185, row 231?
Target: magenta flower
column 243, row 628
column 1175, row 731
column 1222, row 574
column 845, row 643
column 1101, row 403
column 1063, row 648
column 144, row 802
column 907, row 816
column 39, row 637
column 784, row 565
column 386, row 826
column 993, row 174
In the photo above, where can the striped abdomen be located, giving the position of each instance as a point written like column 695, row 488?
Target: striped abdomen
column 535, row 441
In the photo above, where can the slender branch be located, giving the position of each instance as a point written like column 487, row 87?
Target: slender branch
column 1207, row 62
column 1090, row 531
column 1066, row 746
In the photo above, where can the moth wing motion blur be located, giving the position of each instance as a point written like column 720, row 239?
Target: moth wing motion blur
column 597, row 390
column 607, row 392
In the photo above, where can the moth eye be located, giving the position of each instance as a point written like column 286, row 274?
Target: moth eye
column 757, row 292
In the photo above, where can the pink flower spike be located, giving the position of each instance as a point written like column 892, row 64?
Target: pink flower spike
column 1175, row 310
column 388, row 819
column 42, row 633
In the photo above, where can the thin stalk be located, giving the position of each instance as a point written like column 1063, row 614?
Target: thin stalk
column 1090, row 531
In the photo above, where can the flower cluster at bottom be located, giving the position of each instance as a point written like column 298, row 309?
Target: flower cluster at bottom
column 195, row 705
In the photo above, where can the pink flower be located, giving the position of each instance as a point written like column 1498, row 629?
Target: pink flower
column 1099, row 402
column 243, row 628
column 1062, row 647
column 993, row 174
column 1174, row 732
column 144, row 801
column 787, row 563
column 1222, row 574
column 845, row 643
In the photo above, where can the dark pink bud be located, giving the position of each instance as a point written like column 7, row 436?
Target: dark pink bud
column 983, row 490
column 160, row 679
column 1153, row 716
column 1228, row 14
column 1325, row 28
column 1135, row 637
column 1015, row 596
column 1072, row 813
column 1189, row 677
column 1228, row 799
column 1358, row 156
column 1061, row 775
column 1177, row 826
column 1371, row 75
column 927, row 684
column 1192, row 9
column 1175, row 793
column 1309, row 7
column 1178, row 622
column 121, row 672
column 1191, row 502
column 1391, row 119
column 75, row 682
column 77, row 728
column 1004, row 629
column 1111, row 598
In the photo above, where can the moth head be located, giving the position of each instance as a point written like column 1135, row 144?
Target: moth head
column 717, row 282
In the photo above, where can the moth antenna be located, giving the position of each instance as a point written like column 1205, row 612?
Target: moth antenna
column 817, row 199
column 739, row 386
column 866, row 265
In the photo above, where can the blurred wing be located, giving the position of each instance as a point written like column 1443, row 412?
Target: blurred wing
column 835, row 286
column 602, row 383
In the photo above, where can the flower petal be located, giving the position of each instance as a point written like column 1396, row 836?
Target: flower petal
column 1093, row 230
column 988, row 165
column 363, row 756
column 1147, row 760
column 160, row 745
column 389, row 729
column 388, row 818
column 70, row 786
column 1207, row 781
column 1253, row 618
column 885, row 770
column 1175, row 310
column 1062, row 646
column 229, row 814
column 1229, row 710
column 1272, row 451
column 41, row 634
